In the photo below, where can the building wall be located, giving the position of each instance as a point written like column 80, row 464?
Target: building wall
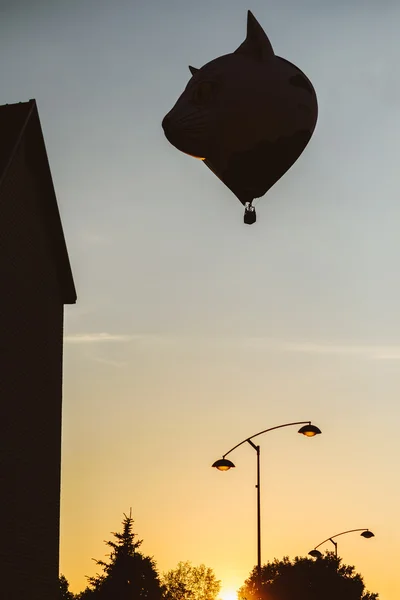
column 31, row 330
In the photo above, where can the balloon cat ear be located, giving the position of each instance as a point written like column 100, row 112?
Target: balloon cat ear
column 193, row 70
column 256, row 44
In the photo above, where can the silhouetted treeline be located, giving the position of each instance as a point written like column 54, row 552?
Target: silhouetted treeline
column 130, row 575
column 306, row 579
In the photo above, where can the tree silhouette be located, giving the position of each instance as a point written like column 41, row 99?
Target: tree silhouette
column 306, row 579
column 129, row 575
column 64, row 594
column 187, row 582
column 87, row 594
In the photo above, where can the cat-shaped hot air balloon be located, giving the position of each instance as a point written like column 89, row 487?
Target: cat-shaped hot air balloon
column 248, row 115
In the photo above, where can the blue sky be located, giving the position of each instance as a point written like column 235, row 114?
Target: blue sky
column 192, row 331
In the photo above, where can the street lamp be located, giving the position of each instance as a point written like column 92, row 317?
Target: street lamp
column 223, row 464
column 366, row 533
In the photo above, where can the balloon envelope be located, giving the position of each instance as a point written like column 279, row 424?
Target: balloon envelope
column 248, row 115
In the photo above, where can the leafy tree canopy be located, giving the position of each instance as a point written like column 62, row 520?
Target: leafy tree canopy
column 187, row 582
column 306, row 579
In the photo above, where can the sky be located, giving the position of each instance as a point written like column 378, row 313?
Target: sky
column 193, row 331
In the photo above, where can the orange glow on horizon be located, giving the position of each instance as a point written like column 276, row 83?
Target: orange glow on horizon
column 228, row 593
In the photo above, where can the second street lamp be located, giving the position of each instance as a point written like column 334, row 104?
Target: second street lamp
column 366, row 533
column 223, row 464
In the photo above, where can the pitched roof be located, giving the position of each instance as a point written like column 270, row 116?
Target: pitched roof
column 21, row 121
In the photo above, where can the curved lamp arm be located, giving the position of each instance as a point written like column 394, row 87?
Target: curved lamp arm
column 337, row 535
column 265, row 431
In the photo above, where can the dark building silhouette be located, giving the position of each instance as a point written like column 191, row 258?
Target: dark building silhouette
column 36, row 282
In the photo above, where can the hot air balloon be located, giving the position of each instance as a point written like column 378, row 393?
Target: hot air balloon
column 247, row 115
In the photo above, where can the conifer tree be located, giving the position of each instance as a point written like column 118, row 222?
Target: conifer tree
column 64, row 594
column 128, row 575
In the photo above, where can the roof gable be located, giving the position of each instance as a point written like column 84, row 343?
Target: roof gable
column 21, row 122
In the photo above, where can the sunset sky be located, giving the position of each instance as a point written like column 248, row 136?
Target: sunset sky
column 193, row 331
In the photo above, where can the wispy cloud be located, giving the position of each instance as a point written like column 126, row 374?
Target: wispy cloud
column 93, row 338
column 369, row 351
column 318, row 348
column 264, row 343
column 106, row 361
column 393, row 354
column 365, row 351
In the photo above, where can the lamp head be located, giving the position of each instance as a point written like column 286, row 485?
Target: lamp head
column 309, row 430
column 367, row 534
column 315, row 553
column 223, row 464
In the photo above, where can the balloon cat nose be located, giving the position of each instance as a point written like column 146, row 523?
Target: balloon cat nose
column 166, row 122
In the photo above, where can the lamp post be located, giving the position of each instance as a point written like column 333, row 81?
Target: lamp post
column 366, row 533
column 223, row 464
